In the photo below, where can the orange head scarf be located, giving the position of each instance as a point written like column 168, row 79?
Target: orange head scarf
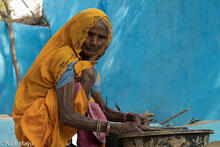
column 65, row 46
column 75, row 31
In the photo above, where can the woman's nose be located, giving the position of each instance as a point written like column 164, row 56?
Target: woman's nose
column 94, row 40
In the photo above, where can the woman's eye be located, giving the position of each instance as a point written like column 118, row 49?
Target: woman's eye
column 102, row 37
column 90, row 33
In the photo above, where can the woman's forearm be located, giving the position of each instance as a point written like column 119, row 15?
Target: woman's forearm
column 113, row 115
column 81, row 122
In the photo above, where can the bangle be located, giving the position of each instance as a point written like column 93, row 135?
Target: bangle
column 125, row 117
column 108, row 126
column 98, row 127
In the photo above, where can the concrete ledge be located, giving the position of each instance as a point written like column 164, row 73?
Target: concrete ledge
column 5, row 116
column 7, row 135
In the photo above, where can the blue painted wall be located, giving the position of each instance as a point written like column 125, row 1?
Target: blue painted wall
column 29, row 40
column 164, row 56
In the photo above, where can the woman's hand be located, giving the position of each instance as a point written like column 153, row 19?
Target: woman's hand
column 126, row 127
column 143, row 120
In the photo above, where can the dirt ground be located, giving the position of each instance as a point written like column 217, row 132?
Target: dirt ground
column 214, row 144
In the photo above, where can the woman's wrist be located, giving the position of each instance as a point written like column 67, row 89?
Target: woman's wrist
column 108, row 127
column 103, row 127
column 98, row 127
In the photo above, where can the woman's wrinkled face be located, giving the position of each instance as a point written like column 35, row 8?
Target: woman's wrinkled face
column 95, row 41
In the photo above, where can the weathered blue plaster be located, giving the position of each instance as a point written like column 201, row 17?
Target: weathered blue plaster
column 164, row 57
column 29, row 40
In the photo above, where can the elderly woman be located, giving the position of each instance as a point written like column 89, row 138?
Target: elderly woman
column 51, row 102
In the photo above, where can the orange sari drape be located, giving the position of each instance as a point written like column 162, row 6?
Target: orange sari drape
column 35, row 111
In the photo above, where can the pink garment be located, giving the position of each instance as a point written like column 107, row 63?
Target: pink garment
column 88, row 138
column 94, row 111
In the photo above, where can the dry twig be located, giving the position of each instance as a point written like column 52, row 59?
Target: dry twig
column 174, row 116
column 7, row 18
